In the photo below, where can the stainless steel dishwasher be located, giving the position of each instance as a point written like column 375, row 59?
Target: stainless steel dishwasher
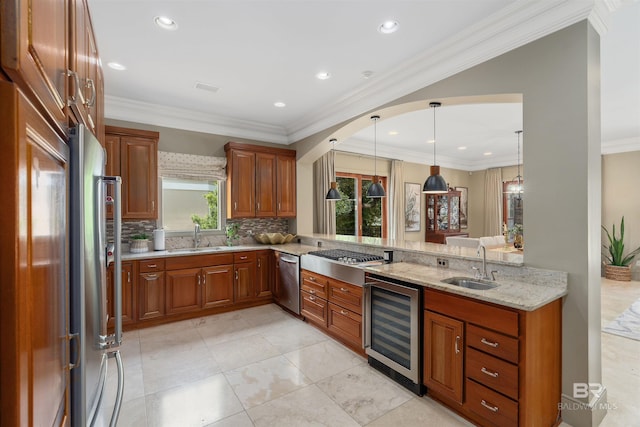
column 289, row 289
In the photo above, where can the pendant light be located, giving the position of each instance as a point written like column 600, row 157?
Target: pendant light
column 519, row 189
column 333, row 194
column 375, row 189
column 435, row 184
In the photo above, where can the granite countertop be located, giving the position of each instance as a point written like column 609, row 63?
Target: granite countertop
column 290, row 248
column 510, row 293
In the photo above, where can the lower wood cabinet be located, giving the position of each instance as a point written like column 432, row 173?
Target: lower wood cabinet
column 128, row 295
column 151, row 291
column 334, row 306
column 217, row 286
column 184, row 290
column 264, row 274
column 443, row 355
column 496, row 365
column 244, row 267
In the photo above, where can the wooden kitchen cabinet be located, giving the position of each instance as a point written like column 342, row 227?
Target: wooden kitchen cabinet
column 184, row 290
column 218, row 286
column 35, row 54
column 443, row 355
column 138, row 167
column 128, row 295
column 244, row 268
column 506, row 352
column 261, row 181
column 34, row 257
column 151, row 288
column 264, row 273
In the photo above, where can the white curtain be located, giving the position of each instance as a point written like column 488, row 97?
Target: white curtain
column 396, row 201
column 493, row 202
column 191, row 166
column 325, row 212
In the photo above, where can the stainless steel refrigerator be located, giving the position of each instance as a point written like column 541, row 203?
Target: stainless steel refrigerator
column 90, row 254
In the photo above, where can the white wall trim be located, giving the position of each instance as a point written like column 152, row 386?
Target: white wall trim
column 620, row 145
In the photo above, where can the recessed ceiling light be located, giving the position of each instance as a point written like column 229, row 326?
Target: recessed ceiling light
column 323, row 75
column 431, row 141
column 165, row 23
column 279, row 104
column 366, row 74
column 116, row 66
column 393, row 132
column 388, row 27
column 488, row 153
column 462, row 148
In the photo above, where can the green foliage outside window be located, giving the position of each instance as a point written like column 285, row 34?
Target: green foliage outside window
column 211, row 220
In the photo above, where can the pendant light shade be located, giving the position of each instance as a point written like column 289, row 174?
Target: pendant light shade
column 375, row 189
column 333, row 194
column 435, row 184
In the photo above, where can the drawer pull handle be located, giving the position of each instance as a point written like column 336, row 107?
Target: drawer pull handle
column 312, row 298
column 487, row 372
column 151, row 265
column 344, row 313
column 344, row 289
column 489, row 407
column 458, row 348
column 243, row 257
column 311, row 279
column 489, row 343
column 152, row 276
column 312, row 291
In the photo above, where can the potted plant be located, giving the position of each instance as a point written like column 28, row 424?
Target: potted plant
column 232, row 233
column 618, row 267
column 517, row 231
column 139, row 243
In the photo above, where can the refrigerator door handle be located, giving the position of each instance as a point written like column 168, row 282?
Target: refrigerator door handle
column 118, row 403
column 116, row 181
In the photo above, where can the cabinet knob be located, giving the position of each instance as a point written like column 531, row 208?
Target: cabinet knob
column 312, row 298
column 344, row 289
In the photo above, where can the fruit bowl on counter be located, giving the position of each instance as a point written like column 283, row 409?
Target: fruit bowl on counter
column 273, row 238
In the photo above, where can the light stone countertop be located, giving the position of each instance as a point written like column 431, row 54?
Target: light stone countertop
column 510, row 293
column 290, row 248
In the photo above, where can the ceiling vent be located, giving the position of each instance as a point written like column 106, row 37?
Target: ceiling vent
column 207, row 87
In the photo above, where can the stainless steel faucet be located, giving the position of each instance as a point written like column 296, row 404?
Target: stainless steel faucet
column 196, row 236
column 483, row 274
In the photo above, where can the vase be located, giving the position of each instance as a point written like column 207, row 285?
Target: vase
column 615, row 272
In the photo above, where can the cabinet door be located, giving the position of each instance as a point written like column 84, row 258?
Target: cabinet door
column 264, row 273
column 128, row 302
column 218, row 286
column 152, row 295
column 286, row 186
column 346, row 324
column 184, row 290
column 34, row 310
column 443, row 355
column 242, row 192
column 265, row 185
column 34, row 52
column 138, row 168
column 245, row 276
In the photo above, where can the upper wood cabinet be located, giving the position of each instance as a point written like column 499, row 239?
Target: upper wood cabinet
column 34, row 52
column 133, row 154
column 261, row 181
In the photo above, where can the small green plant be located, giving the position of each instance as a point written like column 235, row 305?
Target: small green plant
column 615, row 250
column 140, row 236
column 517, row 229
column 232, row 233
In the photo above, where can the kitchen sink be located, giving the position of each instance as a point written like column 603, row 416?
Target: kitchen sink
column 197, row 250
column 470, row 283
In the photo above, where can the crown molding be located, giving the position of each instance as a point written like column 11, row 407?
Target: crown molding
column 161, row 115
column 620, row 145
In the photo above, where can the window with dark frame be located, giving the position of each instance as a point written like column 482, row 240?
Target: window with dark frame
column 357, row 214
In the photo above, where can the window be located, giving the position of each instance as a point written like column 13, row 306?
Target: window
column 187, row 202
column 357, row 214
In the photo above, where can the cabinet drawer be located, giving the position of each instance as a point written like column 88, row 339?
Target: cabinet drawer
column 239, row 257
column 482, row 314
column 346, row 295
column 150, row 265
column 494, row 407
column 196, row 261
column 314, row 284
column 493, row 372
column 345, row 323
column 493, row 343
column 313, row 308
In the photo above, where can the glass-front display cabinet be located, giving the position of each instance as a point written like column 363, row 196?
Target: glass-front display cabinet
column 443, row 217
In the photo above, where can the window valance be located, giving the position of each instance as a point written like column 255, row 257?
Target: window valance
column 191, row 166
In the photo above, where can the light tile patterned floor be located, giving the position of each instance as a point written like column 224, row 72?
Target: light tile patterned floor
column 262, row 367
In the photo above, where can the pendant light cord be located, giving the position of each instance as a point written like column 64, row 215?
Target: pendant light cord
column 375, row 147
column 434, row 135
